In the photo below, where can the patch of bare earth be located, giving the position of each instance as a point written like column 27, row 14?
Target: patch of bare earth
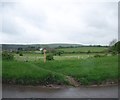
column 72, row 81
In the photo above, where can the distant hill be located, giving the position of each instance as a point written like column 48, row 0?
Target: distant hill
column 36, row 46
column 63, row 45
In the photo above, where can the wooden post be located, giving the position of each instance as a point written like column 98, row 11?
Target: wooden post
column 78, row 57
column 44, row 50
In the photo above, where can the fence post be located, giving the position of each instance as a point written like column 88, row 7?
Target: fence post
column 44, row 50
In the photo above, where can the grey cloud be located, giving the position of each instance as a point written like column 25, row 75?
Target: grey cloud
column 68, row 22
column 9, row 26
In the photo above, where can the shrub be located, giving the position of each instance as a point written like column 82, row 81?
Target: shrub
column 73, row 52
column 20, row 54
column 59, row 53
column 49, row 57
column 97, row 55
column 89, row 51
column 105, row 55
column 17, row 52
column 114, row 53
column 7, row 56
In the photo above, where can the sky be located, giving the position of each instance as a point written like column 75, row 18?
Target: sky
column 58, row 21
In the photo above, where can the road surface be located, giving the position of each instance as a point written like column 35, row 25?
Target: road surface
column 9, row 91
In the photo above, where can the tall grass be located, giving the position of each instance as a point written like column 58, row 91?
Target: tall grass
column 87, row 71
column 16, row 72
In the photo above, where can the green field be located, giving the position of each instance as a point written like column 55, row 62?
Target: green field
column 88, row 71
column 28, row 57
column 71, row 66
column 34, row 72
column 84, row 49
column 37, row 56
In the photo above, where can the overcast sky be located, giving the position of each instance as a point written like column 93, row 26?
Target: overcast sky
column 58, row 21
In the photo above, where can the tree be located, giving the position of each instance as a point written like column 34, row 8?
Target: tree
column 115, row 47
column 113, row 42
column 20, row 49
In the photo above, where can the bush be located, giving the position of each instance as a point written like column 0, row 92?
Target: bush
column 20, row 54
column 89, row 51
column 59, row 53
column 17, row 52
column 49, row 57
column 73, row 52
column 97, row 55
column 114, row 53
column 7, row 56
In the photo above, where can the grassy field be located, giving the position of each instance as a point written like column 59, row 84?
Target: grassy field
column 89, row 71
column 86, row 71
column 38, row 56
column 84, row 49
column 28, row 57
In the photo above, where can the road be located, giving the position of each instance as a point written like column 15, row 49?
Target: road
column 68, row 92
